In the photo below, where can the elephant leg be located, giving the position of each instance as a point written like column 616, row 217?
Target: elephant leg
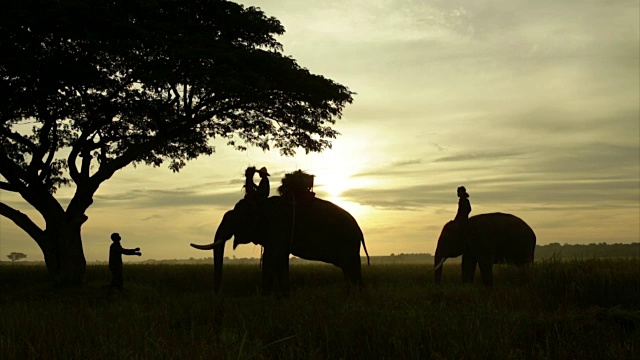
column 275, row 271
column 268, row 271
column 468, row 268
column 352, row 271
column 525, row 269
column 486, row 270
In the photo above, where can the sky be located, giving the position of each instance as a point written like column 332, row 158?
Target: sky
column 532, row 105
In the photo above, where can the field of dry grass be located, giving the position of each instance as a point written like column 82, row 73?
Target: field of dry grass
column 582, row 309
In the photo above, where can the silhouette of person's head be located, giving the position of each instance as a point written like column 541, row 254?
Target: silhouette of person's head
column 462, row 192
column 250, row 171
column 115, row 237
column 263, row 172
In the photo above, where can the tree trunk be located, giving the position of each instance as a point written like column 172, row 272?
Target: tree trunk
column 64, row 255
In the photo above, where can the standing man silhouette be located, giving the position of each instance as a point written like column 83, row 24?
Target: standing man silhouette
column 115, row 260
column 263, row 186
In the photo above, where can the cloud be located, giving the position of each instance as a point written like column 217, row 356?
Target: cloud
column 476, row 157
column 176, row 198
column 393, row 168
column 406, row 162
column 152, row 217
column 583, row 174
column 531, row 190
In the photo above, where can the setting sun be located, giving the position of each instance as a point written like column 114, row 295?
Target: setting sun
column 332, row 181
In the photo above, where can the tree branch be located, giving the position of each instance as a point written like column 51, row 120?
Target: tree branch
column 46, row 167
column 18, row 138
column 23, row 221
column 31, row 189
column 71, row 162
column 86, row 163
column 14, row 174
column 106, row 171
column 77, row 145
column 36, row 163
column 78, row 149
column 184, row 98
column 85, row 190
column 8, row 187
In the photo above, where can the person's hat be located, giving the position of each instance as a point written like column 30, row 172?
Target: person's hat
column 462, row 188
column 263, row 171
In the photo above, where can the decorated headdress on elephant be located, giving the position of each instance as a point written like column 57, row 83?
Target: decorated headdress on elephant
column 298, row 187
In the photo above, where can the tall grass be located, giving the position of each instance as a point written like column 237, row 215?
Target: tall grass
column 554, row 310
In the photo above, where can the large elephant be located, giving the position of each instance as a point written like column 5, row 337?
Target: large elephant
column 487, row 239
column 314, row 230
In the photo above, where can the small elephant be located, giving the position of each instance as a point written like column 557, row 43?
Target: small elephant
column 314, row 230
column 485, row 239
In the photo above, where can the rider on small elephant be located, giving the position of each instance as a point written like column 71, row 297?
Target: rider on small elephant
column 462, row 216
column 464, row 206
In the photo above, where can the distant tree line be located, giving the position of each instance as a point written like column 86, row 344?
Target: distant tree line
column 601, row 250
column 549, row 251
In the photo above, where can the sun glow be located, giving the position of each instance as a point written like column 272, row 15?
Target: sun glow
column 330, row 184
column 338, row 170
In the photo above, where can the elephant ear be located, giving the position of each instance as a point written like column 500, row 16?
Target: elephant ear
column 451, row 242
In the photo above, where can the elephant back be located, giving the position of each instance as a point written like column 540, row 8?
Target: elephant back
column 504, row 236
column 321, row 230
column 324, row 216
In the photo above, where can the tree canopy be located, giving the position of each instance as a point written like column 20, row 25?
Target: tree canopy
column 88, row 87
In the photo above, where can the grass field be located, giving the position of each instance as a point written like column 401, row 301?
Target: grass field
column 583, row 309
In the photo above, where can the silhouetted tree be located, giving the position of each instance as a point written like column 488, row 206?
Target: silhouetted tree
column 89, row 87
column 15, row 256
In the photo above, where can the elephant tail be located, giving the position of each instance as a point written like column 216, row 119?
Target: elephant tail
column 364, row 246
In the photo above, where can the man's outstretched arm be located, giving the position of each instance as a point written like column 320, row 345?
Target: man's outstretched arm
column 135, row 251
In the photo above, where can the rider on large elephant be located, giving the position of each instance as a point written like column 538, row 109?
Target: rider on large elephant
column 296, row 222
column 263, row 186
column 252, row 191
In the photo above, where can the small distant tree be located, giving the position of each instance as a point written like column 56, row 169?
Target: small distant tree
column 15, row 256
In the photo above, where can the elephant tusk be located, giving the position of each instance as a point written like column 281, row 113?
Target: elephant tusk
column 209, row 246
column 439, row 265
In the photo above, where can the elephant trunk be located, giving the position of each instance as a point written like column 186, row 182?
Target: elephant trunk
column 218, row 259
column 223, row 234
